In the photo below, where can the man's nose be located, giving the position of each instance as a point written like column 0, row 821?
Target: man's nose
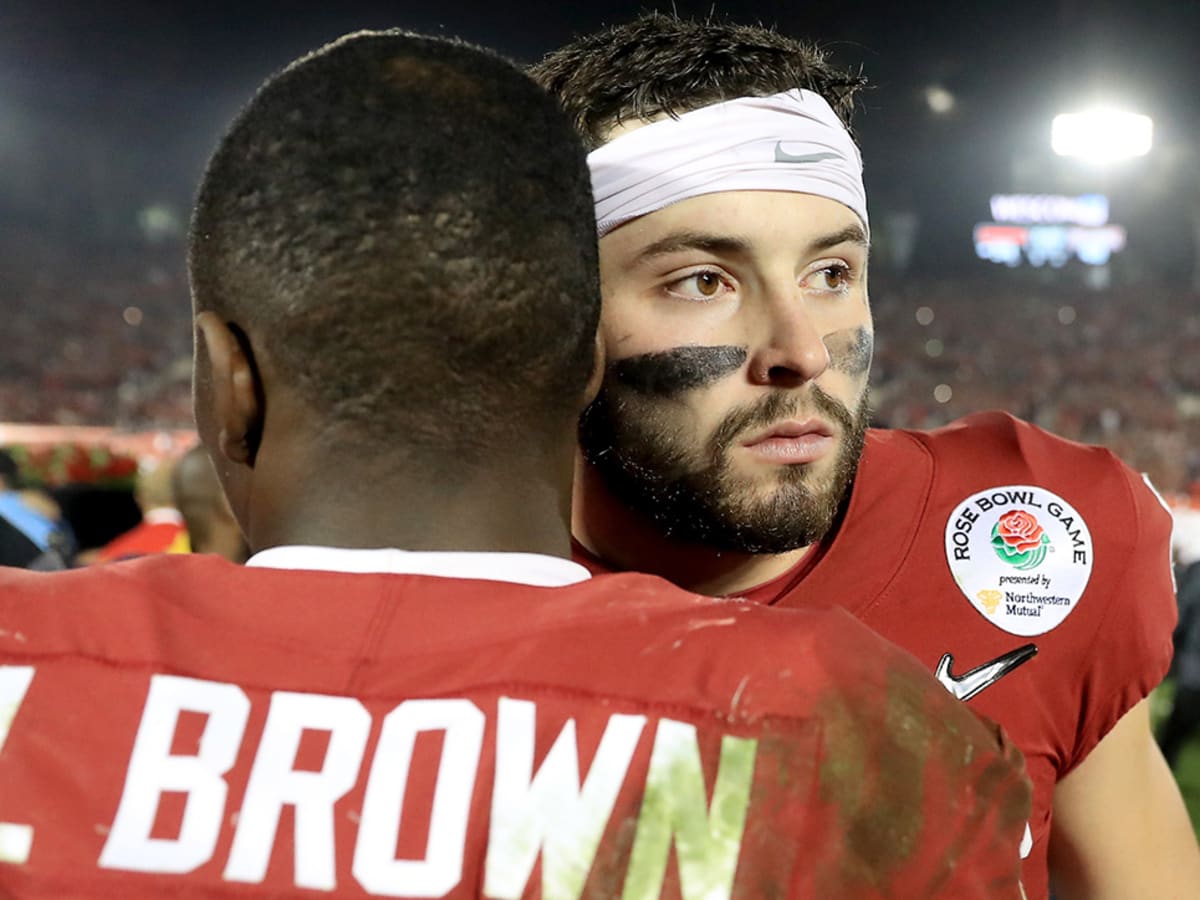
column 791, row 349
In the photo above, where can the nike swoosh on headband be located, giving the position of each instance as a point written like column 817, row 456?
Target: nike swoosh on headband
column 967, row 685
column 783, row 156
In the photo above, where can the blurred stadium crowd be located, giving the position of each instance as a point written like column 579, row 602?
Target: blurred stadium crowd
column 95, row 334
column 102, row 336
column 1120, row 368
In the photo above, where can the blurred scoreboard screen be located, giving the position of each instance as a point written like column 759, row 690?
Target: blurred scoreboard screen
column 1048, row 230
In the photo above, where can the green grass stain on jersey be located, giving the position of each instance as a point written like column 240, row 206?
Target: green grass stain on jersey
column 893, row 823
column 707, row 839
column 872, row 771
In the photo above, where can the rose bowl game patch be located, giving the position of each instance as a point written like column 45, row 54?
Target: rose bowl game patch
column 1021, row 555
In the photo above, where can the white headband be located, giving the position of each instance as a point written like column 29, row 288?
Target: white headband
column 786, row 142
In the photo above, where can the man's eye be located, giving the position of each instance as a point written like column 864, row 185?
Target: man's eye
column 703, row 285
column 832, row 278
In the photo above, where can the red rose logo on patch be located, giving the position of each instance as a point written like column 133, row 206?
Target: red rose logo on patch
column 1019, row 540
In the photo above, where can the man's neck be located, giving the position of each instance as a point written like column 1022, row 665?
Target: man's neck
column 626, row 541
column 382, row 503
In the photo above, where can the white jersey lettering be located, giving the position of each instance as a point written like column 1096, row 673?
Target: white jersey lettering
column 275, row 783
column 548, row 811
column 16, row 840
column 375, row 865
column 549, row 817
column 153, row 770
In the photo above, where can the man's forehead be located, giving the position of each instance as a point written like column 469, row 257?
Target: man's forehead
column 732, row 222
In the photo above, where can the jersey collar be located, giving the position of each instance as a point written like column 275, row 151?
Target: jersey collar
column 533, row 569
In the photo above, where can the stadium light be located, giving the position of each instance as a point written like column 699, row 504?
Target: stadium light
column 940, row 101
column 1101, row 135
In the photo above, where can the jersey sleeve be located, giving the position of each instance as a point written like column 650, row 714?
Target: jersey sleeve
column 975, row 804
column 986, row 841
column 931, row 799
column 1132, row 647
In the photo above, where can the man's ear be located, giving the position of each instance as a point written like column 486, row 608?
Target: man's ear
column 235, row 393
column 598, row 364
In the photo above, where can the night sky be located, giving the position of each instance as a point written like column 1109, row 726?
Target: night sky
column 113, row 106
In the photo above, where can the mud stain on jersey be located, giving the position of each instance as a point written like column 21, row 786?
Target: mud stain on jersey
column 873, row 772
column 958, row 756
column 774, row 863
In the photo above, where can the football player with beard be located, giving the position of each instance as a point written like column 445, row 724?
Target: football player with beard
column 729, row 449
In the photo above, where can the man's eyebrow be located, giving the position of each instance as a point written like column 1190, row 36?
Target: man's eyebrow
column 851, row 234
column 725, row 245
column 692, row 240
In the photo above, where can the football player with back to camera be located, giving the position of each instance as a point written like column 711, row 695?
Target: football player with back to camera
column 411, row 690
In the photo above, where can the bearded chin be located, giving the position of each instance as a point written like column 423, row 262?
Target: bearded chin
column 692, row 495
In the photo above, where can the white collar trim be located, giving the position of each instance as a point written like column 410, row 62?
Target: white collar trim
column 534, row 569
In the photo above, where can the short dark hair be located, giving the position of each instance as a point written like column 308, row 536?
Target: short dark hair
column 407, row 223
column 660, row 63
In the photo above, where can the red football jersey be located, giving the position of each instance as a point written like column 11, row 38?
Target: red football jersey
column 183, row 726
column 1032, row 574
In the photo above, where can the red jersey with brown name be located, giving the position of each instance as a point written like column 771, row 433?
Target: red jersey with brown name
column 1030, row 573
column 181, row 726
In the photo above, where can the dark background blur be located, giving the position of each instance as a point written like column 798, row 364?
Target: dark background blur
column 109, row 110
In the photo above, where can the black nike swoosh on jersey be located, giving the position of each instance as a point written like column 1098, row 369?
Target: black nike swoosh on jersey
column 967, row 685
